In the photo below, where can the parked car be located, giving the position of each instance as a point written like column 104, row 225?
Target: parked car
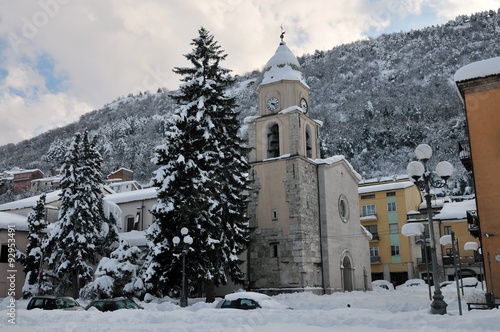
column 113, row 304
column 467, row 282
column 412, row 283
column 248, row 301
column 53, row 302
column 384, row 284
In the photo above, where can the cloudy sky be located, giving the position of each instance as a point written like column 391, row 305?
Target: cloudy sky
column 62, row 58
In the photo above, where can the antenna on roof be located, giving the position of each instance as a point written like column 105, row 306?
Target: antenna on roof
column 282, row 35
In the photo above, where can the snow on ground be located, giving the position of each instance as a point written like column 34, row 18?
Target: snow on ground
column 399, row 310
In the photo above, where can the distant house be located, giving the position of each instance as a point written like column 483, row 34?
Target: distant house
column 122, row 174
column 22, row 179
column 46, row 184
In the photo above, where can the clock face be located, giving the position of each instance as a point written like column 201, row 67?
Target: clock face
column 273, row 103
column 303, row 104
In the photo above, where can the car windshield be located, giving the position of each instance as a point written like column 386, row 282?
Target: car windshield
column 71, row 303
column 126, row 304
column 131, row 304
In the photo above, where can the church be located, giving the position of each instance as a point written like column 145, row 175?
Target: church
column 303, row 210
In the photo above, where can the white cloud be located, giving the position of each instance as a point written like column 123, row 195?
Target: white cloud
column 450, row 9
column 105, row 49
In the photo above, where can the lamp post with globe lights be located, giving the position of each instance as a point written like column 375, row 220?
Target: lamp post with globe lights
column 425, row 179
column 183, row 249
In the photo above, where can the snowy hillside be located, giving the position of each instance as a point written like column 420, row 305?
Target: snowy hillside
column 377, row 98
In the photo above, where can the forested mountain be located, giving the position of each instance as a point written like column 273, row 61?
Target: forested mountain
column 378, row 99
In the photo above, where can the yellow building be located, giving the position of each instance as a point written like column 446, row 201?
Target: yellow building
column 383, row 211
column 479, row 87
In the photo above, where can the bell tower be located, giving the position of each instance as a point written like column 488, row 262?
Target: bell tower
column 285, row 249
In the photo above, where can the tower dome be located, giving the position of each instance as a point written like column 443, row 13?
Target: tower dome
column 283, row 65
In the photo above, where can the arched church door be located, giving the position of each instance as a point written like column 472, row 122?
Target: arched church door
column 347, row 274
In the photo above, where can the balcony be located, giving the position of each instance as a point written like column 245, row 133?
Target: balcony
column 464, row 260
column 369, row 217
column 375, row 259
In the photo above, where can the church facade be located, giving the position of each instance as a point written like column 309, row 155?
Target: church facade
column 304, row 212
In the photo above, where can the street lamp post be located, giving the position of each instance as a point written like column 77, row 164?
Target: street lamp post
column 424, row 179
column 451, row 239
column 187, row 241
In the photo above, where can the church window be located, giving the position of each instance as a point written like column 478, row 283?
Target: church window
column 343, row 208
column 4, row 253
column 369, row 210
column 308, row 142
column 273, row 141
column 274, row 249
column 275, row 215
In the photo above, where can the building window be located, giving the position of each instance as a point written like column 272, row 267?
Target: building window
column 394, row 250
column 374, row 252
column 368, row 196
column 131, row 224
column 369, row 210
column 392, row 193
column 393, row 228
column 391, row 206
column 273, row 141
column 447, row 230
column 275, row 214
column 373, row 229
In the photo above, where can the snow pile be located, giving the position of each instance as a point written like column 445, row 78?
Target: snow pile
column 401, row 310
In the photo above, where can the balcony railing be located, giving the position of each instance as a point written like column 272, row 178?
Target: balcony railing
column 375, row 259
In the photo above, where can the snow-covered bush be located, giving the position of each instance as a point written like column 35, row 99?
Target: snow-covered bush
column 117, row 275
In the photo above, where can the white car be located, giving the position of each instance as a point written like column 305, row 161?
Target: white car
column 412, row 283
column 384, row 284
column 249, row 300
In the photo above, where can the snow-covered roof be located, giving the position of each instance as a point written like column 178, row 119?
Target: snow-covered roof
column 484, row 68
column 130, row 196
column 336, row 159
column 30, row 202
column 283, row 65
column 135, row 238
column 456, row 210
column 18, row 222
column 385, row 187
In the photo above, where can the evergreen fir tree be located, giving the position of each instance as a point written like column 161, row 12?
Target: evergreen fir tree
column 32, row 258
column 200, row 180
column 76, row 239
